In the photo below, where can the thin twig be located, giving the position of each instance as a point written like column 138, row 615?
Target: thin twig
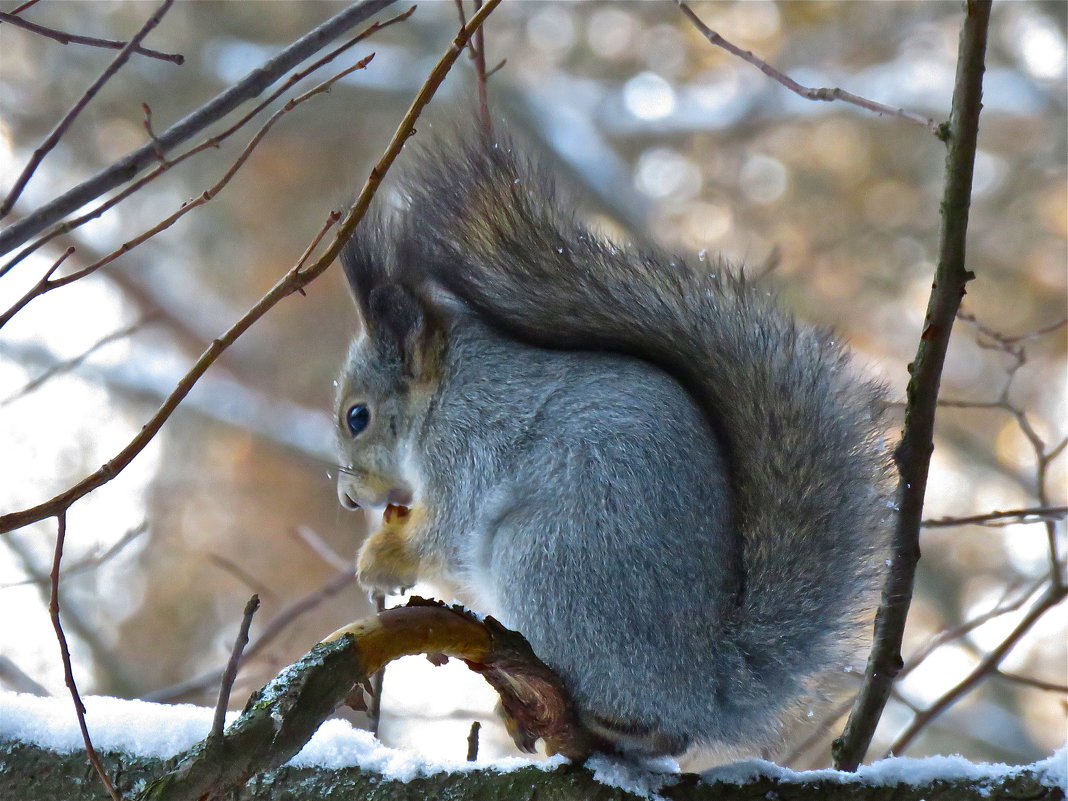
column 73, row 38
column 89, row 562
column 472, row 741
column 47, row 284
column 966, row 628
column 497, row 68
column 212, row 142
column 989, row 663
column 807, row 92
column 250, row 86
column 230, row 674
column 71, row 364
column 64, row 652
column 477, row 51
column 322, row 549
column 819, row 731
column 1001, row 338
column 75, row 622
column 1027, row 681
column 53, row 138
column 1037, row 514
column 232, row 568
column 914, row 661
column 146, row 123
column 1011, row 346
column 913, row 454
column 18, row 679
column 340, row 581
column 40, row 287
column 25, row 6
column 479, row 55
column 377, row 680
column 293, row 281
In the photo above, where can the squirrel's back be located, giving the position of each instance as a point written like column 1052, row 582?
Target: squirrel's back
column 782, row 526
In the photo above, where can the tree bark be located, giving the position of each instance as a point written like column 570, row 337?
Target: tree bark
column 31, row 772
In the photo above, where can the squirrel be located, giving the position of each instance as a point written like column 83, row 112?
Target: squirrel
column 671, row 488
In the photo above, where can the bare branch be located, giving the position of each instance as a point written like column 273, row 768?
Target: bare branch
column 47, row 284
column 913, row 454
column 807, row 92
column 71, row 364
column 25, row 6
column 232, row 568
column 53, row 138
column 341, row 580
column 377, row 680
column 472, row 741
column 73, row 38
column 18, row 680
column 917, row 658
column 500, row 64
column 481, row 77
column 89, row 562
column 250, row 86
column 966, row 628
column 230, row 674
column 210, row 143
column 64, row 652
column 1027, row 681
column 989, row 663
column 478, row 55
column 1038, row 514
column 322, row 548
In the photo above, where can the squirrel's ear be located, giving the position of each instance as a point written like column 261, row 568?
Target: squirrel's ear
column 363, row 260
column 401, row 328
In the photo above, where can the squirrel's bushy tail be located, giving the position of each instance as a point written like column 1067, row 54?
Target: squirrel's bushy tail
column 799, row 426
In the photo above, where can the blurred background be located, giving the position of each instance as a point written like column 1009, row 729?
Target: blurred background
column 661, row 138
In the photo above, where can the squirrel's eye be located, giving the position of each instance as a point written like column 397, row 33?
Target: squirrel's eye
column 358, row 417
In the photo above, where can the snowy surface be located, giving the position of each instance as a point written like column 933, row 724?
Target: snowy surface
column 899, row 770
column 158, row 730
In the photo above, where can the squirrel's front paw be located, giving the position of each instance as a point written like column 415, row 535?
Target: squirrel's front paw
column 386, row 562
column 375, row 576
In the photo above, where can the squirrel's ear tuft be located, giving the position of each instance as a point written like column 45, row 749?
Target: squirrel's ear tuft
column 364, row 261
column 401, row 328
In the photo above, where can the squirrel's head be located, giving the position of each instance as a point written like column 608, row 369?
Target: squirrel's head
column 391, row 374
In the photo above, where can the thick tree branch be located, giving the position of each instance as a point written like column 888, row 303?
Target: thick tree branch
column 51, row 776
column 280, row 718
column 913, row 455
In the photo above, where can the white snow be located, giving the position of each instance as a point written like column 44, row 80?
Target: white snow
column 159, row 730
column 643, row 780
column 897, row 770
column 136, row 727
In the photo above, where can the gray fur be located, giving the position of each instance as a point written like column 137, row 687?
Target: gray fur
column 670, row 487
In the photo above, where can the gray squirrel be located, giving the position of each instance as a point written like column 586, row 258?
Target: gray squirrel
column 672, row 489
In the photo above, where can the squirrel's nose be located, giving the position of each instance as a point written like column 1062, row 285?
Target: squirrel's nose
column 347, row 501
